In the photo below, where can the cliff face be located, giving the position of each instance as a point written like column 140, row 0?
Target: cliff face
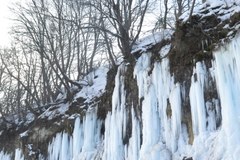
column 179, row 99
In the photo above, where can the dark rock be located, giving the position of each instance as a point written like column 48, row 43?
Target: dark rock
column 189, row 158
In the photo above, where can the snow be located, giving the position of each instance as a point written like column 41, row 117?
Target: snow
column 221, row 8
column 95, row 83
column 165, row 50
column 147, row 42
column 54, row 111
column 29, row 118
column 24, row 134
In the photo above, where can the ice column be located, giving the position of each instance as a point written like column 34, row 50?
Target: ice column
column 77, row 138
column 18, row 154
column 82, row 144
column 134, row 142
column 160, row 133
column 115, row 123
column 197, row 102
column 91, row 129
column 59, row 148
column 4, row 156
column 175, row 101
column 227, row 64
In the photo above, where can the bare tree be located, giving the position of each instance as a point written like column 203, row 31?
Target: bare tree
column 57, row 32
column 18, row 87
column 58, row 39
column 191, row 10
column 125, row 18
column 165, row 14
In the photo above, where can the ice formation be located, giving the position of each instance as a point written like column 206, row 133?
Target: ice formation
column 159, row 132
column 82, row 144
column 162, row 134
column 4, row 156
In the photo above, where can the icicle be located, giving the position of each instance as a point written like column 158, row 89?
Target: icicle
column 77, row 139
column 156, row 125
column 91, row 135
column 65, row 152
column 54, row 147
column 175, row 101
column 115, row 121
column 211, row 119
column 227, row 74
column 59, row 149
column 18, row 154
column 140, row 71
column 161, row 81
column 134, row 142
column 223, row 143
column 82, row 144
column 4, row 156
column 151, row 123
column 197, row 102
column 164, row 137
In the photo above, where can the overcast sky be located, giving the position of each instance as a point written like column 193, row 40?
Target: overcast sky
column 5, row 22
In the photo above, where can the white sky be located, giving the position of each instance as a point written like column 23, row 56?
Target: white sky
column 5, row 22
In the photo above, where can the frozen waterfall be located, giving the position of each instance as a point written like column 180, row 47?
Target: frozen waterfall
column 159, row 134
